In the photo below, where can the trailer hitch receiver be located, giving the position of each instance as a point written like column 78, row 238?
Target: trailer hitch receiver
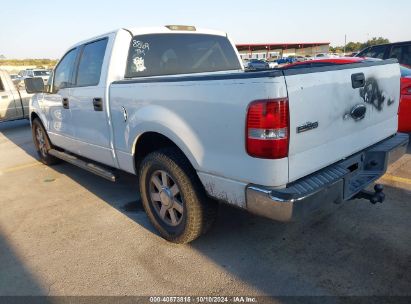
column 374, row 197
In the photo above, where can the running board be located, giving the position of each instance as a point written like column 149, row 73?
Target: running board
column 89, row 166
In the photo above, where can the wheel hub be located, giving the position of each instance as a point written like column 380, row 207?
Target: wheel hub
column 166, row 197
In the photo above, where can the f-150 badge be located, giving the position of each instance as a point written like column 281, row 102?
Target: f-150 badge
column 307, row 127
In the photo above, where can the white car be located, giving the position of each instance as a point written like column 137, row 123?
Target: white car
column 326, row 55
column 174, row 106
column 30, row 73
column 273, row 64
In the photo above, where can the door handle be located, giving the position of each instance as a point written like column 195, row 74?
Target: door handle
column 66, row 103
column 98, row 104
column 358, row 80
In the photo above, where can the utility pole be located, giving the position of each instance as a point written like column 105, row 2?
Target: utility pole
column 345, row 43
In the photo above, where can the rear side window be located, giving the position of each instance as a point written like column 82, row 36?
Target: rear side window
column 64, row 71
column 91, row 61
column 170, row 54
column 374, row 52
column 402, row 53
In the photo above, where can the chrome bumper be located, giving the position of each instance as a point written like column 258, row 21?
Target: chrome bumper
column 324, row 189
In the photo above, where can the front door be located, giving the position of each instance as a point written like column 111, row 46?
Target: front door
column 57, row 104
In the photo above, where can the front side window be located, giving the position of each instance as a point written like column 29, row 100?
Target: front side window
column 91, row 62
column 171, row 54
column 1, row 86
column 64, row 70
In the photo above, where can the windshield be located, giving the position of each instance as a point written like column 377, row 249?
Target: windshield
column 41, row 73
column 168, row 54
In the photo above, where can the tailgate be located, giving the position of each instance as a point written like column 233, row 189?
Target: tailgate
column 326, row 112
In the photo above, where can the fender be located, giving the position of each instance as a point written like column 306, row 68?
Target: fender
column 34, row 107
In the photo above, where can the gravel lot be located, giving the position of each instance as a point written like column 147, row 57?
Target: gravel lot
column 64, row 231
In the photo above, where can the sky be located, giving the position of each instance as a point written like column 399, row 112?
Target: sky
column 46, row 28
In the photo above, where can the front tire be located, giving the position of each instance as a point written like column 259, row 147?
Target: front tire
column 42, row 143
column 174, row 198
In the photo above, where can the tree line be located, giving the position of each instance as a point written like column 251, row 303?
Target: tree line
column 358, row 46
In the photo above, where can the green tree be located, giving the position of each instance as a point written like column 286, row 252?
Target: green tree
column 375, row 41
column 353, row 46
column 358, row 46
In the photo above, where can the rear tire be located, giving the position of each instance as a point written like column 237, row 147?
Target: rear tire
column 42, row 143
column 173, row 197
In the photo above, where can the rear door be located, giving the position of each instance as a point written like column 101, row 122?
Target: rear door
column 326, row 104
column 7, row 103
column 88, row 103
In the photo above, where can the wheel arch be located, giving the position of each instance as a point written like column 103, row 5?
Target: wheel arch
column 33, row 116
column 151, row 141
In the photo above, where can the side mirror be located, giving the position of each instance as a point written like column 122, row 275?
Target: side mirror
column 34, row 85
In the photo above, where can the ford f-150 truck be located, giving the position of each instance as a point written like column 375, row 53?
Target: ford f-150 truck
column 14, row 104
column 174, row 106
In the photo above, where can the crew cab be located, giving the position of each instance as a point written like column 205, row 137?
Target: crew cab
column 175, row 106
column 14, row 103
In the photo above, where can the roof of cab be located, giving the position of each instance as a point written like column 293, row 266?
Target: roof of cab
column 152, row 30
column 166, row 30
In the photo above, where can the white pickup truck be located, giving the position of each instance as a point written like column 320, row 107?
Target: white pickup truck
column 174, row 106
column 14, row 103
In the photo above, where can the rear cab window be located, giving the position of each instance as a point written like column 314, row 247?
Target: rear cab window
column 374, row 52
column 173, row 54
column 41, row 73
column 402, row 53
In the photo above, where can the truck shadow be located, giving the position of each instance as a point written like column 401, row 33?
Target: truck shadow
column 16, row 279
column 19, row 133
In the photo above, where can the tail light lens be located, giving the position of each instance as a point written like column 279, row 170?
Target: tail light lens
column 267, row 129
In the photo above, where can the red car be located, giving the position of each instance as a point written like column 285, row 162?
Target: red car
column 404, row 112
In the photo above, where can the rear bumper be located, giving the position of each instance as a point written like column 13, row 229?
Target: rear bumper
column 334, row 184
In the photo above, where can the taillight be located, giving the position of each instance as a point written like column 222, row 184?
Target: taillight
column 267, row 129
